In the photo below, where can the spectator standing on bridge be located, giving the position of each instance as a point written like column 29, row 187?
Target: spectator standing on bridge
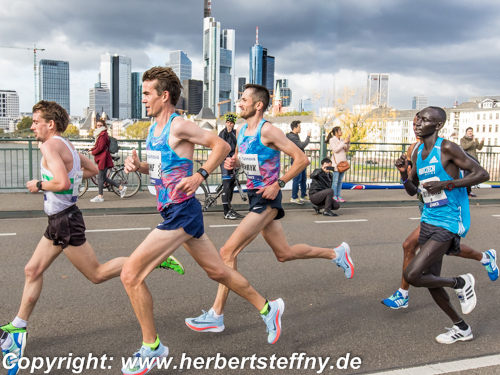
column 470, row 145
column 299, row 181
column 102, row 158
column 339, row 148
column 228, row 177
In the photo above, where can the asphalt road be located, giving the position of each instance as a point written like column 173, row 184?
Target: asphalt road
column 326, row 315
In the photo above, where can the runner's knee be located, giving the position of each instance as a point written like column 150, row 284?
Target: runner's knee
column 32, row 272
column 412, row 276
column 227, row 254
column 129, row 277
column 217, row 274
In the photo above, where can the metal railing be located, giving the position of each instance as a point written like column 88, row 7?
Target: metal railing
column 370, row 162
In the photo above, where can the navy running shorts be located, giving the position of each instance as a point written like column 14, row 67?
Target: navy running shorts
column 186, row 215
column 438, row 234
column 66, row 228
column 259, row 204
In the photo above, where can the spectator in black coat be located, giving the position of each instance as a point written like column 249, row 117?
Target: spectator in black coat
column 321, row 192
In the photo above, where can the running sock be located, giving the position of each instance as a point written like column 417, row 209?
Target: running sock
column 154, row 345
column 216, row 316
column 266, row 309
column 486, row 259
column 403, row 292
column 462, row 325
column 459, row 283
column 19, row 323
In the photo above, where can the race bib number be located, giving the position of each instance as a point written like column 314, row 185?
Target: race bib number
column 250, row 165
column 77, row 181
column 154, row 164
column 432, row 200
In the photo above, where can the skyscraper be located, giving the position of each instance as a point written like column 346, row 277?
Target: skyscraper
column 116, row 75
column 193, row 96
column 218, row 70
column 378, row 89
column 419, row 102
column 286, row 92
column 99, row 100
column 261, row 66
column 54, row 82
column 180, row 64
column 137, row 111
column 9, row 108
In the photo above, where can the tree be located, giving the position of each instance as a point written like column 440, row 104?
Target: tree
column 71, row 130
column 139, row 130
column 25, row 123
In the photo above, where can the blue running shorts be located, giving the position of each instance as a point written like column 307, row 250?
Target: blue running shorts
column 259, row 204
column 186, row 215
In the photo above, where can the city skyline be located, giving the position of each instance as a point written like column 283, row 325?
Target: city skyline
column 434, row 53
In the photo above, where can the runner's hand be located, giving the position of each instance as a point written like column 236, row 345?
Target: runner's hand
column 31, row 185
column 132, row 163
column 190, row 184
column 270, row 192
column 402, row 163
column 433, row 187
column 230, row 162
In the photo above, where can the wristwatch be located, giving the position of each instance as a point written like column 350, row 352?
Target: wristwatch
column 281, row 183
column 450, row 186
column 39, row 185
column 203, row 172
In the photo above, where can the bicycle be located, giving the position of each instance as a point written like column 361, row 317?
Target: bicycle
column 210, row 199
column 132, row 180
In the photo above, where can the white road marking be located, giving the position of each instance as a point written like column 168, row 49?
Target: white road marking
column 339, row 221
column 496, row 215
column 223, row 226
column 447, row 367
column 415, row 218
column 115, row 230
column 8, row 234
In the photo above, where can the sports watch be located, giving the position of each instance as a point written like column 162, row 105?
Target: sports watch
column 203, row 172
column 281, row 183
column 39, row 185
column 450, row 186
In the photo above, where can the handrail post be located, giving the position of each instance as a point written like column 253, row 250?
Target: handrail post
column 30, row 159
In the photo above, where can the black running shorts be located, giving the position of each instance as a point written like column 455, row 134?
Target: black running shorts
column 66, row 228
column 438, row 234
column 259, row 204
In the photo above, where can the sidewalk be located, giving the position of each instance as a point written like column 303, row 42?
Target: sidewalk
column 20, row 205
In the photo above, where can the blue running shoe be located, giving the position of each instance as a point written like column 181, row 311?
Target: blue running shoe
column 144, row 360
column 343, row 260
column 491, row 267
column 206, row 322
column 396, row 301
column 273, row 320
column 16, row 350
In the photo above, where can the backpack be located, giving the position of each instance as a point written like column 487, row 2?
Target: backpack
column 113, row 145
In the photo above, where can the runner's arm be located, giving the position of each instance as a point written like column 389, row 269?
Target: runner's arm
column 88, row 167
column 56, row 166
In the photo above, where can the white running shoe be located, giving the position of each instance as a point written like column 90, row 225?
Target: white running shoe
column 123, row 191
column 467, row 295
column 454, row 334
column 97, row 199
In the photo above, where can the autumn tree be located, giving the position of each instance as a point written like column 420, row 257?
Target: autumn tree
column 139, row 130
column 71, row 130
column 25, row 123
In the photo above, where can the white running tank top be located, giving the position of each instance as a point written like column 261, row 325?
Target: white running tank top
column 55, row 202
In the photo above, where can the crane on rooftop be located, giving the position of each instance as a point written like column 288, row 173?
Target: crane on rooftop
column 34, row 48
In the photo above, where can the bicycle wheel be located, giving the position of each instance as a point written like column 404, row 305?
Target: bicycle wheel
column 206, row 199
column 83, row 187
column 131, row 180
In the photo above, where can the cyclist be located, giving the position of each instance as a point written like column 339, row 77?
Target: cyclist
column 228, row 177
column 62, row 170
column 103, row 159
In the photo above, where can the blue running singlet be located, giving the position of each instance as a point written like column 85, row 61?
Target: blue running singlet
column 447, row 209
column 166, row 168
column 260, row 163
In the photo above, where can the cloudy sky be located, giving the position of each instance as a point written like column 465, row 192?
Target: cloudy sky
column 443, row 49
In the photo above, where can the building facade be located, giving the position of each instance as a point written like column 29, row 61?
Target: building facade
column 218, row 67
column 116, row 76
column 305, row 105
column 193, row 96
column 378, row 89
column 9, row 109
column 138, row 109
column 99, row 99
column 261, row 67
column 285, row 91
column 419, row 102
column 54, row 82
column 180, row 64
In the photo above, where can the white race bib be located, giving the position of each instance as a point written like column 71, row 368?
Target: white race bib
column 250, row 165
column 432, row 200
column 77, row 181
column 154, row 163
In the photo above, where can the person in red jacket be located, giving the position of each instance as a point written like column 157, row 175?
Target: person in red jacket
column 102, row 158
